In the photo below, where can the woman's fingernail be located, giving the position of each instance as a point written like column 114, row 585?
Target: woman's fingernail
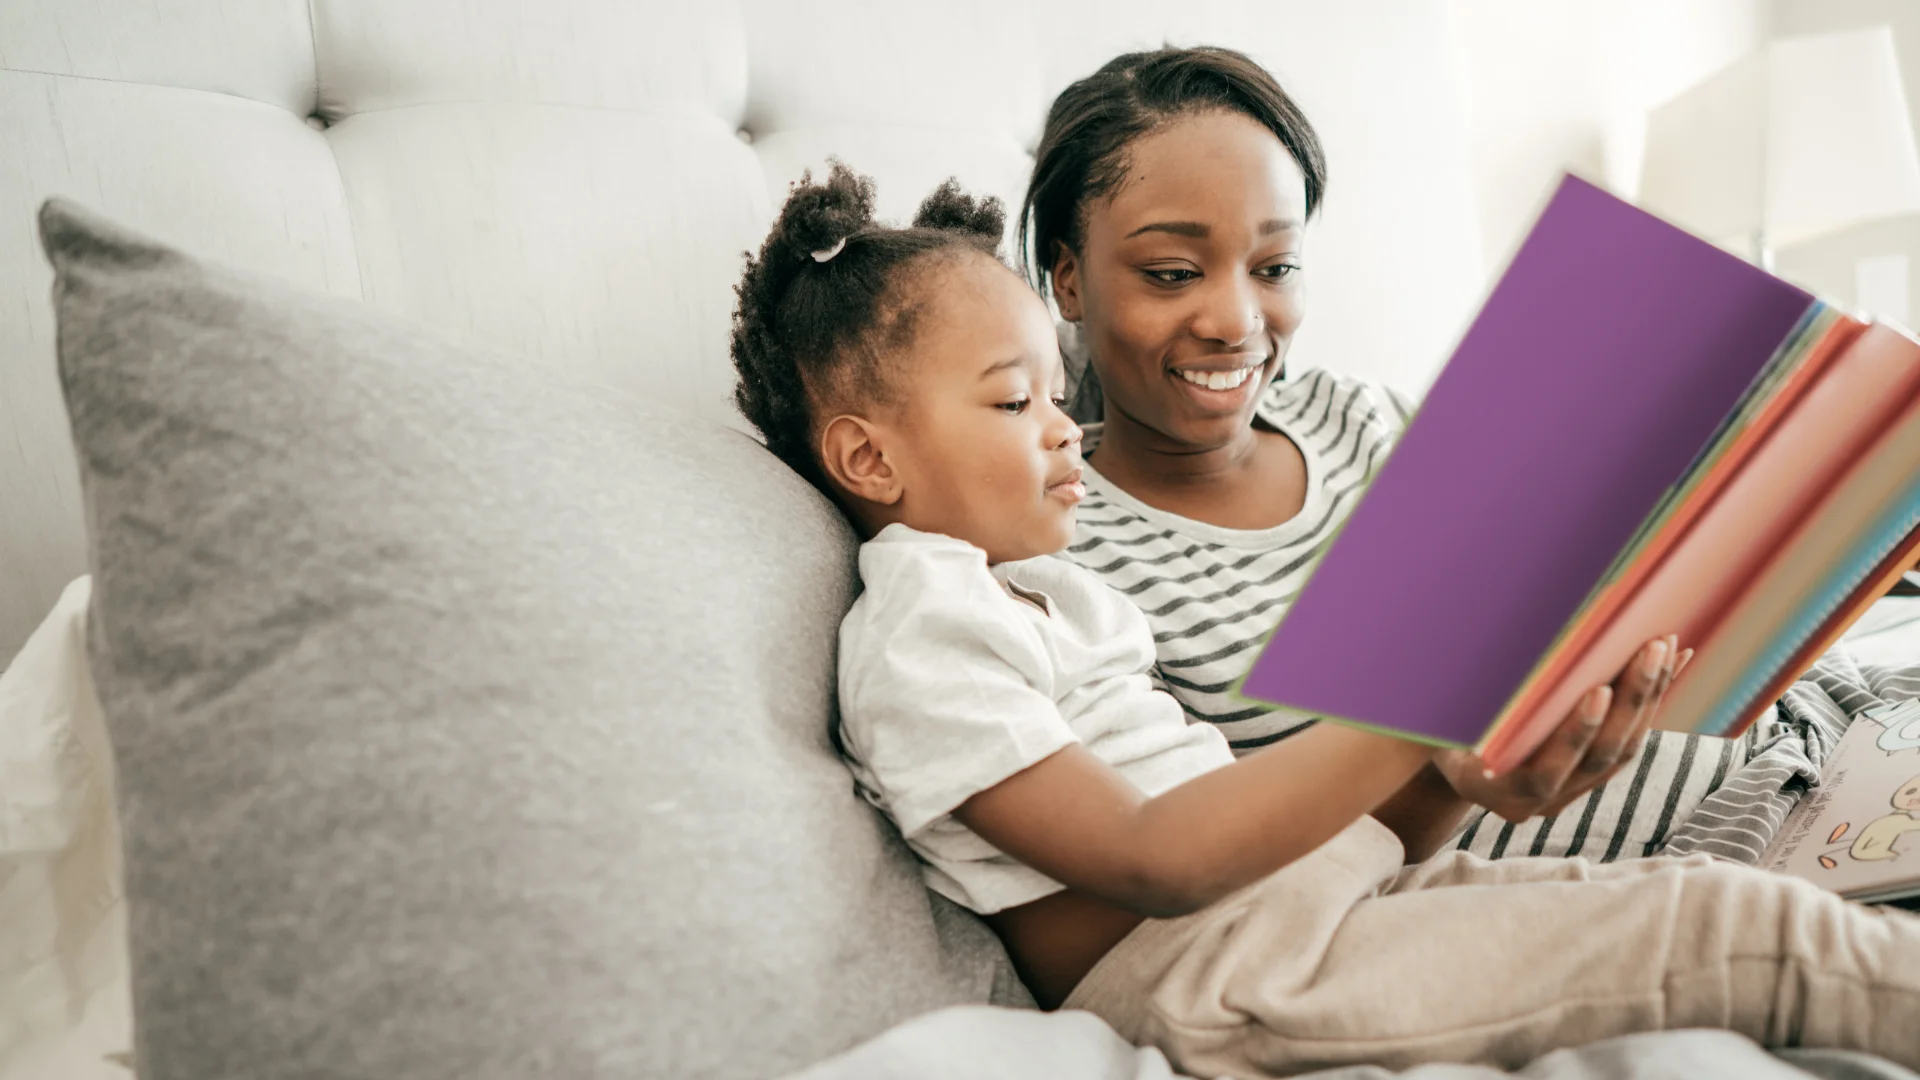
column 1594, row 709
column 1685, row 655
column 1655, row 659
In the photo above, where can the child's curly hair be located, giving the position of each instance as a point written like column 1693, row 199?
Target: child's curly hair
column 813, row 329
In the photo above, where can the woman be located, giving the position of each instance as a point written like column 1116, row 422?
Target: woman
column 1165, row 218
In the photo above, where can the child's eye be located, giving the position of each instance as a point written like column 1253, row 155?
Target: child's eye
column 1014, row 407
column 1278, row 271
column 1172, row 276
column 1059, row 401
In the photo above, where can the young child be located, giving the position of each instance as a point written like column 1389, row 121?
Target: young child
column 1248, row 917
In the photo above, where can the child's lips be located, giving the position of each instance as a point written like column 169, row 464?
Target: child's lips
column 1068, row 488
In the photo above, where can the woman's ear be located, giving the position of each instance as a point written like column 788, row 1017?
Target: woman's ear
column 1064, row 281
column 854, row 459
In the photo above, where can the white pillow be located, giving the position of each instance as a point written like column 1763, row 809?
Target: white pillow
column 63, row 955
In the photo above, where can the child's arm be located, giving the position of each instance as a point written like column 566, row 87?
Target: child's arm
column 1076, row 820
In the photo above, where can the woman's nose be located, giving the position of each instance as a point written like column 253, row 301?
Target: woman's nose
column 1229, row 313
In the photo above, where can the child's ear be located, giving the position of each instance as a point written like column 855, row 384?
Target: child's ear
column 1064, row 282
column 852, row 454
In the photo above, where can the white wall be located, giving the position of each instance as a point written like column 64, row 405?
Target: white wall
column 1565, row 84
column 120, row 119
column 1827, row 265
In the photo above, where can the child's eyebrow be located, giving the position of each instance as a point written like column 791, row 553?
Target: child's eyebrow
column 1003, row 365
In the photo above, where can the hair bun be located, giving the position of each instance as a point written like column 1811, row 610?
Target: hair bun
column 819, row 217
column 953, row 209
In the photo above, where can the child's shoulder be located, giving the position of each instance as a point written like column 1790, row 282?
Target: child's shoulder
column 927, row 604
column 1061, row 577
column 1083, row 603
column 900, row 557
column 907, row 575
column 899, row 550
column 917, row 585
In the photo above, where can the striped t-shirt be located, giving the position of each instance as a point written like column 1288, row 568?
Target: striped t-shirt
column 1212, row 595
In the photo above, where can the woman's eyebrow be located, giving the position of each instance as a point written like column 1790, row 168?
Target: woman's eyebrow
column 1199, row 231
column 1193, row 229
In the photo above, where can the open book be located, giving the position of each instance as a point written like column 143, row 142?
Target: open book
column 1639, row 434
column 1854, row 834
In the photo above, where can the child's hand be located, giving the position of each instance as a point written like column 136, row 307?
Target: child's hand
column 1603, row 734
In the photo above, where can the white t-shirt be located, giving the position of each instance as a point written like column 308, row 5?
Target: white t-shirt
column 951, row 683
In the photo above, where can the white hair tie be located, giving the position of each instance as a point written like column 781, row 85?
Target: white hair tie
column 829, row 252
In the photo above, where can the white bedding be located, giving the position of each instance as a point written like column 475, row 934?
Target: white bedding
column 63, row 961
column 1889, row 634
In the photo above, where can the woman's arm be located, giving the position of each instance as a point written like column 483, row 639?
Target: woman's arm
column 1076, row 820
column 1603, row 734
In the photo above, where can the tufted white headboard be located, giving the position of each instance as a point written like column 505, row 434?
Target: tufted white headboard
column 575, row 180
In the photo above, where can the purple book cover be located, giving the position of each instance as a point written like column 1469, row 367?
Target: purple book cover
column 1610, row 352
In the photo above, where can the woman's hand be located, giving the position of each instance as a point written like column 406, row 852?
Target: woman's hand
column 1603, row 733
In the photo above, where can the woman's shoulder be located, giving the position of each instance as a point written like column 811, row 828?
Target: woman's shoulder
column 1317, row 393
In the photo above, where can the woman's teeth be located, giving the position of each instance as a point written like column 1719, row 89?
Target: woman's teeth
column 1219, row 380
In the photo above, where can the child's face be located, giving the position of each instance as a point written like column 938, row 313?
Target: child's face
column 983, row 450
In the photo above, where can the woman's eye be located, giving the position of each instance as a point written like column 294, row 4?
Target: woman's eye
column 1278, row 271
column 1014, row 407
column 1174, row 276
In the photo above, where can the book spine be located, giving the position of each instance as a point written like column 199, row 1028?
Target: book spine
column 1888, row 533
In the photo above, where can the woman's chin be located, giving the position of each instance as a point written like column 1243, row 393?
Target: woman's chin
column 1210, row 430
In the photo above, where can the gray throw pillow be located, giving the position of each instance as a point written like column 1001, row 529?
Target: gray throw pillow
column 470, row 721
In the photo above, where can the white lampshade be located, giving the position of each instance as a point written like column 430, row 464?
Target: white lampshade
column 1808, row 135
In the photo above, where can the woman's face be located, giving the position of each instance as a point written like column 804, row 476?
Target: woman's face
column 1187, row 285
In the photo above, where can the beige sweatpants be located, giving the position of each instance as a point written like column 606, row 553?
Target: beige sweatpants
column 1347, row 957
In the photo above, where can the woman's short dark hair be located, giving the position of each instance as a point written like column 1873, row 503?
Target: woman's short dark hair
column 1082, row 154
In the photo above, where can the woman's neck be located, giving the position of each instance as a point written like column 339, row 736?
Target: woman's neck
column 1256, row 480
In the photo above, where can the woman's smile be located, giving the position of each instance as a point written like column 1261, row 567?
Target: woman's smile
column 1223, row 383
